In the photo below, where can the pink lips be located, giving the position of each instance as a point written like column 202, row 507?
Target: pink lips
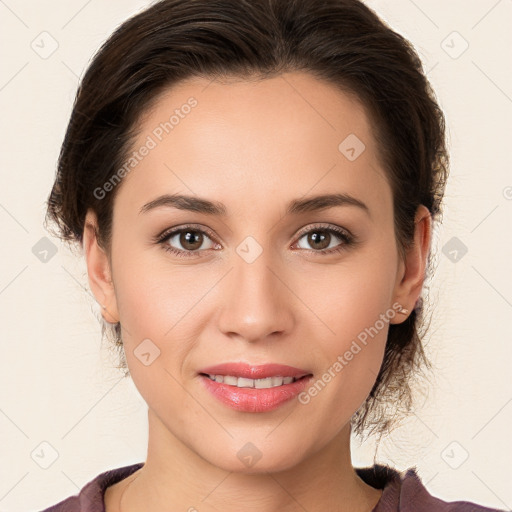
column 255, row 399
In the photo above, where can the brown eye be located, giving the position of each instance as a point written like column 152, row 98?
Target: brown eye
column 323, row 240
column 186, row 241
column 191, row 240
column 319, row 239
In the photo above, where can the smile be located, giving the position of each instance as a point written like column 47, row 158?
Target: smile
column 241, row 382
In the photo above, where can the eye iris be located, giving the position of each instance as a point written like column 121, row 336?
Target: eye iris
column 188, row 238
column 313, row 239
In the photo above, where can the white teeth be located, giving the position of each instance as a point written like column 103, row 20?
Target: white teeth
column 241, row 382
column 245, row 383
column 229, row 379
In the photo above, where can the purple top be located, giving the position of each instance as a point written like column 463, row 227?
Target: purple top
column 401, row 493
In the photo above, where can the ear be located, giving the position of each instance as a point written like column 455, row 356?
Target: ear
column 412, row 269
column 99, row 271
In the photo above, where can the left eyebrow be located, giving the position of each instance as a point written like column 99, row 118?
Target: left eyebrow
column 296, row 206
column 322, row 202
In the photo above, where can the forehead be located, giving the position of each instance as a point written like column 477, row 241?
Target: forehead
column 238, row 140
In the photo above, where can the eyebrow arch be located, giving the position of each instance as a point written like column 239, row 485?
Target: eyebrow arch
column 322, row 202
column 184, row 202
column 297, row 206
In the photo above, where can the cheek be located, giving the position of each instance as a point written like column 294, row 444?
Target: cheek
column 154, row 296
column 353, row 303
column 350, row 296
column 161, row 320
column 163, row 311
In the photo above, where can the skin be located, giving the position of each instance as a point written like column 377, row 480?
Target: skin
column 254, row 146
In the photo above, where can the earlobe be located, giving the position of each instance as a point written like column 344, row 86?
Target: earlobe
column 409, row 285
column 98, row 270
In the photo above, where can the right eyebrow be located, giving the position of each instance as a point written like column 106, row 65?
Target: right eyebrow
column 184, row 202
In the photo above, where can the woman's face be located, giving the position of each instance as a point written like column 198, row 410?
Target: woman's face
column 251, row 284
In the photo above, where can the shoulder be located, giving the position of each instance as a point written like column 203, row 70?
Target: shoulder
column 405, row 491
column 91, row 496
column 413, row 491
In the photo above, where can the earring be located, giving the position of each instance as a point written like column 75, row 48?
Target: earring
column 403, row 311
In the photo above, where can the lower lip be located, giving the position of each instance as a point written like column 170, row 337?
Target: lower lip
column 255, row 399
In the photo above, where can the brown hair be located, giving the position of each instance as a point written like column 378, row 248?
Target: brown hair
column 340, row 41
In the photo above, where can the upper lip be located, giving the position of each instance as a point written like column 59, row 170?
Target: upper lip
column 249, row 371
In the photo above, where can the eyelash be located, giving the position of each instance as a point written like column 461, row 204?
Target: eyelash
column 347, row 238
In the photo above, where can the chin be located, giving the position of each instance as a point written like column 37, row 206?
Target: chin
column 257, row 456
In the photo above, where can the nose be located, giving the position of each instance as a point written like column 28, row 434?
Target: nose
column 256, row 302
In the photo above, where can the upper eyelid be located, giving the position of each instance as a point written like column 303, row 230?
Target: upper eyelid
column 327, row 227
column 174, row 231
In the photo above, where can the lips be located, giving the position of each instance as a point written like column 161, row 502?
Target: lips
column 248, row 371
column 253, row 400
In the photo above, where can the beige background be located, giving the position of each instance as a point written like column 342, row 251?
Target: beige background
column 57, row 385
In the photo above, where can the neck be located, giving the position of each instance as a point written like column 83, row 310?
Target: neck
column 175, row 475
